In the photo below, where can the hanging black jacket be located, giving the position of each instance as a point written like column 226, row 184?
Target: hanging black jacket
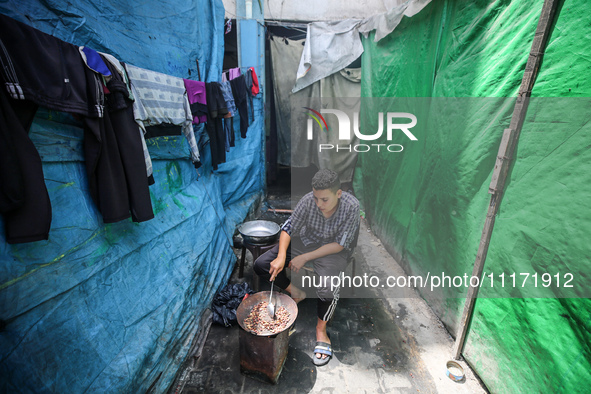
column 36, row 69
column 114, row 156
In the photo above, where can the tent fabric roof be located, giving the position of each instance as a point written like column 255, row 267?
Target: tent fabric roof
column 332, row 46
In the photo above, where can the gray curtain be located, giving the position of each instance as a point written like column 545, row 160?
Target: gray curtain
column 340, row 90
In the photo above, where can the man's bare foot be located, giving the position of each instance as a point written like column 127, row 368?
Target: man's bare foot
column 322, row 336
column 297, row 294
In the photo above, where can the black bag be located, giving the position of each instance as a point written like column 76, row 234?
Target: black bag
column 226, row 301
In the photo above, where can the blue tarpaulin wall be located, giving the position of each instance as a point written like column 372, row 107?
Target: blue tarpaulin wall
column 114, row 308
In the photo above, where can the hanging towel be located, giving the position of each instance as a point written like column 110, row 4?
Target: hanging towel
column 255, row 82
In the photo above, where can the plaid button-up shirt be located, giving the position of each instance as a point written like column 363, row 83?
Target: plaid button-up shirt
column 312, row 227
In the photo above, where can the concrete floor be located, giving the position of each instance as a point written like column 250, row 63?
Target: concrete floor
column 381, row 345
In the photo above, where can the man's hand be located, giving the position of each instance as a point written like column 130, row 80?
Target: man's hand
column 298, row 262
column 276, row 267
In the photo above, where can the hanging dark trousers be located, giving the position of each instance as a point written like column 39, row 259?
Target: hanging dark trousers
column 241, row 99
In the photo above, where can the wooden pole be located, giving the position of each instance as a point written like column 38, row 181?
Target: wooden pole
column 280, row 210
column 504, row 157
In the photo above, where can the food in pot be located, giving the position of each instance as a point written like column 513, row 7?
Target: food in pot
column 260, row 322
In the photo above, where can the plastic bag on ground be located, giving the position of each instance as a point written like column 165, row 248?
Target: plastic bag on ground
column 226, row 301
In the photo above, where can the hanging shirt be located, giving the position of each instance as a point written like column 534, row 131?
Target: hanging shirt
column 161, row 98
column 234, row 73
column 197, row 100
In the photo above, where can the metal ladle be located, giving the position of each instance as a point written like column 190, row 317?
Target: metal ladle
column 271, row 306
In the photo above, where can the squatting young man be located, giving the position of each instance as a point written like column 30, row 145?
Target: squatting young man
column 321, row 229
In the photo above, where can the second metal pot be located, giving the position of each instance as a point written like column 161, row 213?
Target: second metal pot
column 260, row 232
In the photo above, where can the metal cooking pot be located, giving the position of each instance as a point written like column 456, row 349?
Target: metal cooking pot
column 279, row 299
column 259, row 232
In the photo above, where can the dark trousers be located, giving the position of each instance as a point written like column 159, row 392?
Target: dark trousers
column 324, row 267
column 217, row 141
column 241, row 100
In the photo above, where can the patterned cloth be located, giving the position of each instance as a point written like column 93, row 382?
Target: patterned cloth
column 161, row 98
column 312, row 227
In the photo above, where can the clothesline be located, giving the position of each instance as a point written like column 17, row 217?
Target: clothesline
column 241, row 68
column 116, row 100
column 225, row 71
column 283, row 37
column 287, row 25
